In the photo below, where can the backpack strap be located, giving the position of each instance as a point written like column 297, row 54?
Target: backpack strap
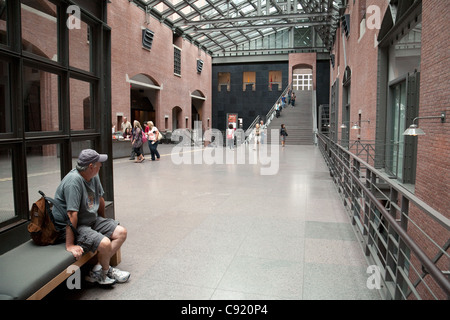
column 49, row 210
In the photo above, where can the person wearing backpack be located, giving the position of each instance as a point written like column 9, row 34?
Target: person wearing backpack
column 80, row 194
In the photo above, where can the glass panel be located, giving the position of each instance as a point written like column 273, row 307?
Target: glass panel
column 302, row 37
column 81, row 113
column 40, row 28
column 396, row 140
column 80, row 47
column 401, row 129
column 7, row 211
column 5, row 99
column 40, row 94
column 3, row 27
column 43, row 170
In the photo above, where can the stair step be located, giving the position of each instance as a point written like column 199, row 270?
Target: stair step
column 297, row 119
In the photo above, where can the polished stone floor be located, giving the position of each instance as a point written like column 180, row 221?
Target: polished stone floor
column 246, row 226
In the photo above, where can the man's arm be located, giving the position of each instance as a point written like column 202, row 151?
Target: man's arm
column 101, row 208
column 76, row 250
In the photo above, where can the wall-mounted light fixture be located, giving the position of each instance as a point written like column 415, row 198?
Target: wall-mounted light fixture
column 414, row 130
column 357, row 125
column 343, row 125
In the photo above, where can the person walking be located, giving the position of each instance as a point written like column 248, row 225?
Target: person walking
column 263, row 132
column 283, row 134
column 136, row 141
column 153, row 141
column 230, row 136
column 257, row 135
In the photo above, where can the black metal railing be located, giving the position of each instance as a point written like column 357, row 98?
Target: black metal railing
column 406, row 240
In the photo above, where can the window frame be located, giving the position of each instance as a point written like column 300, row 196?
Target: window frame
column 177, row 60
column 18, row 140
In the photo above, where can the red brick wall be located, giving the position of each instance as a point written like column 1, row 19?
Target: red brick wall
column 433, row 155
column 128, row 57
column 360, row 54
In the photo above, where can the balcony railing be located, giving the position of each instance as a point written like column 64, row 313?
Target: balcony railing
column 405, row 239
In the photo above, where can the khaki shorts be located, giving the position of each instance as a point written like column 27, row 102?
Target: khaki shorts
column 89, row 237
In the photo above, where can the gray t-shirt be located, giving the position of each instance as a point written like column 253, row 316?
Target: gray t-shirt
column 74, row 193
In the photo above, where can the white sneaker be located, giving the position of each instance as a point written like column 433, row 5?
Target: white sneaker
column 100, row 277
column 118, row 275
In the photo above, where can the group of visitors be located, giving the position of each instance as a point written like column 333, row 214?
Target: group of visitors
column 139, row 136
column 286, row 100
column 260, row 135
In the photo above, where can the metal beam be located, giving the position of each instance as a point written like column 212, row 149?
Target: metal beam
column 263, row 26
column 255, row 18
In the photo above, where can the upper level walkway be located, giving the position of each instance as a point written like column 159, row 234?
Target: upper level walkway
column 231, row 231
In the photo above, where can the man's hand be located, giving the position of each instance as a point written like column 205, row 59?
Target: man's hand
column 77, row 251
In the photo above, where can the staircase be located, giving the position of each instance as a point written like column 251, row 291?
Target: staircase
column 297, row 119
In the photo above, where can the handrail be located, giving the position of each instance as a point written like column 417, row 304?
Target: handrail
column 269, row 115
column 330, row 151
column 249, row 131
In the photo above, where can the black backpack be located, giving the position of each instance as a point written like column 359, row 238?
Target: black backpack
column 42, row 223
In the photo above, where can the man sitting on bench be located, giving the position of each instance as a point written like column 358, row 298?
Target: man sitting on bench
column 80, row 193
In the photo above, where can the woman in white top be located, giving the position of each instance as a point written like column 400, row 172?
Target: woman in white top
column 153, row 140
column 230, row 136
column 257, row 135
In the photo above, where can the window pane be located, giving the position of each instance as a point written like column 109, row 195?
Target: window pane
column 81, row 113
column 394, row 162
column 176, row 61
column 7, row 211
column 43, row 170
column 40, row 94
column 40, row 28
column 224, row 80
column 3, row 29
column 80, row 47
column 249, row 80
column 5, row 98
column 401, row 129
